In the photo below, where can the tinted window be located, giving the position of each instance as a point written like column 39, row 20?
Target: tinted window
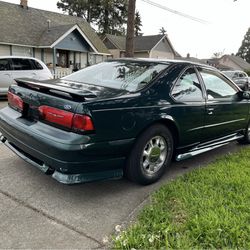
column 4, row 64
column 188, row 87
column 21, row 64
column 217, row 87
column 241, row 74
column 128, row 75
column 35, row 64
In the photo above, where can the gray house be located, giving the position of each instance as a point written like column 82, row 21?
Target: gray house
column 157, row 46
column 63, row 42
column 234, row 62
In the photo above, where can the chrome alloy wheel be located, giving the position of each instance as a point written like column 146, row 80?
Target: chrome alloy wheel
column 248, row 132
column 154, row 155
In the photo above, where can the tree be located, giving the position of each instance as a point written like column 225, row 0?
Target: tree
column 162, row 31
column 244, row 50
column 130, row 29
column 109, row 16
column 138, row 24
column 218, row 54
column 81, row 8
column 112, row 17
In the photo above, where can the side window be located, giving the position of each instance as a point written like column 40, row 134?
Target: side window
column 4, row 64
column 188, row 87
column 235, row 75
column 36, row 65
column 217, row 87
column 21, row 64
column 241, row 74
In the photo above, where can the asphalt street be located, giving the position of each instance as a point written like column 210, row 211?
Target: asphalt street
column 38, row 212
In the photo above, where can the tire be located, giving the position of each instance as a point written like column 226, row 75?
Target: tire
column 150, row 156
column 246, row 138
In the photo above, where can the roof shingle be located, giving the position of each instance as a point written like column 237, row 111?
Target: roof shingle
column 29, row 27
column 144, row 43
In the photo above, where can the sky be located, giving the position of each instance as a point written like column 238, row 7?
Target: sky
column 226, row 23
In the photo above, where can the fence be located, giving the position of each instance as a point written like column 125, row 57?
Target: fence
column 61, row 72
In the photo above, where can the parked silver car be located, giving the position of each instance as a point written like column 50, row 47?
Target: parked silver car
column 239, row 77
column 12, row 67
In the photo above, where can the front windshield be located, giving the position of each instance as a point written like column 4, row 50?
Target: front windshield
column 127, row 75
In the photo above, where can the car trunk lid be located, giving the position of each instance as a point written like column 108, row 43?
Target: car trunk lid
column 71, row 90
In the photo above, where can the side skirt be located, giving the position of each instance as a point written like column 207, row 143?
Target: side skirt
column 202, row 148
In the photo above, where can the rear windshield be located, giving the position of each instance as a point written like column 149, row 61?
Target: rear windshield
column 127, row 75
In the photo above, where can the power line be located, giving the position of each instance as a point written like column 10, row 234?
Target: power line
column 175, row 12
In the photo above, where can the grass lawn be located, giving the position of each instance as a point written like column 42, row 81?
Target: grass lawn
column 206, row 208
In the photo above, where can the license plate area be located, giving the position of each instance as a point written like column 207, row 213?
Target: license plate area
column 30, row 112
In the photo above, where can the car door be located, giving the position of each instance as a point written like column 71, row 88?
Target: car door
column 189, row 107
column 5, row 75
column 38, row 71
column 22, row 67
column 226, row 113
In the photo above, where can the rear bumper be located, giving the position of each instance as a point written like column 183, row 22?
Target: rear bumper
column 72, row 158
column 3, row 91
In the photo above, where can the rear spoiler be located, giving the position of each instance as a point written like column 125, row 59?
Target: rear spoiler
column 46, row 87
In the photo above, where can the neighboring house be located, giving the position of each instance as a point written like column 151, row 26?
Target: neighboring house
column 158, row 46
column 192, row 59
column 234, row 63
column 63, row 42
column 226, row 62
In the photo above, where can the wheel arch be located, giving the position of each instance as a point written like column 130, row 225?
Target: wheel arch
column 167, row 122
column 171, row 125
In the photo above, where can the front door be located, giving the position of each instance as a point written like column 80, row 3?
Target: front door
column 226, row 113
column 63, row 58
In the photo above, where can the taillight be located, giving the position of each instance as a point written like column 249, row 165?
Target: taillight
column 15, row 102
column 82, row 122
column 57, row 116
column 75, row 122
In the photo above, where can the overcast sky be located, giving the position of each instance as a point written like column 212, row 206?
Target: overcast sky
column 227, row 23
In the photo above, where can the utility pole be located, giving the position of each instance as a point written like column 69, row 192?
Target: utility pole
column 130, row 29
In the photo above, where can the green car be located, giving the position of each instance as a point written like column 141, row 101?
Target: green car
column 123, row 117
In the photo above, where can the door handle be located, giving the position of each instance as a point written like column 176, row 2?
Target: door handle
column 210, row 111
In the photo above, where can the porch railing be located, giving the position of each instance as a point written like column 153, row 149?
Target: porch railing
column 61, row 72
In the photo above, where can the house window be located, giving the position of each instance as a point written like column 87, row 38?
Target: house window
column 22, row 51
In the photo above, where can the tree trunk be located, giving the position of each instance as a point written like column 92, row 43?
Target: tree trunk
column 130, row 29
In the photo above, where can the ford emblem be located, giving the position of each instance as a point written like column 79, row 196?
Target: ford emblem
column 67, row 107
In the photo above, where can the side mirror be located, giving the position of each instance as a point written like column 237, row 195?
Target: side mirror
column 245, row 95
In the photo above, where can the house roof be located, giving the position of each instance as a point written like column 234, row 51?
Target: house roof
column 237, row 60
column 141, row 43
column 29, row 27
column 192, row 59
column 48, row 37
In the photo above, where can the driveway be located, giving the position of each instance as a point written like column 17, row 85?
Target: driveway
column 38, row 212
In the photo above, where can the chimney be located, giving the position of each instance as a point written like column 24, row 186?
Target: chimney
column 188, row 55
column 48, row 22
column 24, row 4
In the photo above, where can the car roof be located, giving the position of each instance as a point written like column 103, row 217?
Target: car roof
column 165, row 60
column 19, row 57
column 234, row 71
